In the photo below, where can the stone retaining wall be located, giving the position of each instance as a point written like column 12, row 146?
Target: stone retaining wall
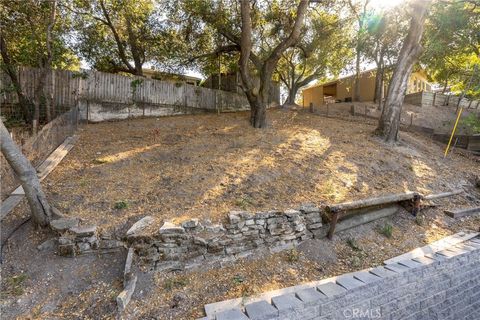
column 194, row 243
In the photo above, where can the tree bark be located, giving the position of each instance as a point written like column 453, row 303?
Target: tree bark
column 40, row 209
column 389, row 123
column 356, row 85
column 292, row 94
column 379, row 78
column 258, row 95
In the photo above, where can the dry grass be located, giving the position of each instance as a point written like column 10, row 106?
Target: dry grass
column 205, row 165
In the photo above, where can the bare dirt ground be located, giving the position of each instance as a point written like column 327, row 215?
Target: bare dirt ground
column 203, row 166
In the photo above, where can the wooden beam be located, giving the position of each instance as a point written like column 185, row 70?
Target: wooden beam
column 8, row 205
column 388, row 199
column 333, row 223
column 43, row 171
column 443, row 194
column 462, row 212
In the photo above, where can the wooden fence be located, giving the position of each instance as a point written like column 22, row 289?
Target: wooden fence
column 438, row 99
column 108, row 90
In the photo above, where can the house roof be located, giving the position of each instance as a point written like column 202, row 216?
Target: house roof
column 338, row 79
column 346, row 77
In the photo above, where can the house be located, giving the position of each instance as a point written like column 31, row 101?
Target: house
column 166, row 76
column 341, row 90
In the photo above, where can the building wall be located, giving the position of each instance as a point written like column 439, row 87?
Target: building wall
column 313, row 95
column 418, row 82
column 345, row 86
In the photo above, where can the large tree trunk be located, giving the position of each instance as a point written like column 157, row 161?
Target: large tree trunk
column 356, row 85
column 379, row 78
column 40, row 209
column 258, row 94
column 292, row 94
column 389, row 122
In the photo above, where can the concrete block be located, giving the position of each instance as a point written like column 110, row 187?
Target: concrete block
column 331, row 289
column 457, row 250
column 366, row 277
column 447, row 253
column 473, row 244
column 261, row 310
column 410, row 263
column 424, row 260
column 435, row 256
column 349, row 282
column 382, row 272
column 287, row 302
column 310, row 295
column 395, row 267
column 234, row 314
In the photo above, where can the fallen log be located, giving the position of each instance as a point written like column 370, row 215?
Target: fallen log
column 388, row 199
column 442, row 195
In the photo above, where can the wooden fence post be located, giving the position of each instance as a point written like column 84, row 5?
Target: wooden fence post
column 311, row 107
column 434, row 97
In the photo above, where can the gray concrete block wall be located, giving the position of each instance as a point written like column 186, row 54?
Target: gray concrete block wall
column 444, row 286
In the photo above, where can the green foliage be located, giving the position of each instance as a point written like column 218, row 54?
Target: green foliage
column 452, row 44
column 175, row 283
column 121, row 205
column 472, row 122
column 244, row 202
column 24, row 28
column 121, row 35
column 352, row 243
column 420, row 220
column 80, row 74
column 321, row 52
column 134, row 84
column 293, row 255
column 238, row 279
column 386, row 230
column 14, row 285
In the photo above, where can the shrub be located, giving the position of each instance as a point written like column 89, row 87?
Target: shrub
column 387, row 230
column 121, row 205
column 293, row 255
column 179, row 282
column 352, row 243
column 472, row 122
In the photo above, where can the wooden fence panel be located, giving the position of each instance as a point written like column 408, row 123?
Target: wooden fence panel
column 100, row 87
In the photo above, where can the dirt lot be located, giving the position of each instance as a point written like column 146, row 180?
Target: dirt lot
column 203, row 166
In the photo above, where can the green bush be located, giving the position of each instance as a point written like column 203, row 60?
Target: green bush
column 121, row 205
column 472, row 122
column 387, row 230
column 352, row 243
